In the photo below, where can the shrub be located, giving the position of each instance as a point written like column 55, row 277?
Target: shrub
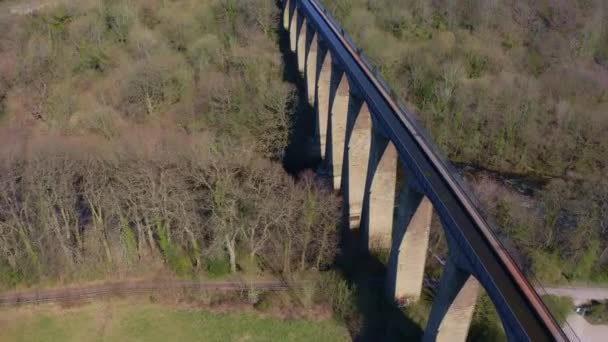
column 153, row 85
column 546, row 267
column 99, row 120
column 218, row 267
column 207, row 50
column 598, row 312
column 92, row 58
column 144, row 43
column 2, row 108
column 477, row 65
column 341, row 296
column 37, row 59
column 60, row 104
column 174, row 255
column 253, row 295
column 486, row 324
column 560, row 307
column 119, row 17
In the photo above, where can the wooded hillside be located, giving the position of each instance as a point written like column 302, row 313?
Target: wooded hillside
column 519, row 87
column 145, row 135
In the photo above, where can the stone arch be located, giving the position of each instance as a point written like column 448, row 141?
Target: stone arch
column 287, row 15
column 453, row 306
column 323, row 86
column 293, row 30
column 339, row 119
column 311, row 68
column 383, row 184
column 301, row 45
column 358, row 160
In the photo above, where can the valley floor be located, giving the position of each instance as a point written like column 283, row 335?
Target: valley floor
column 144, row 320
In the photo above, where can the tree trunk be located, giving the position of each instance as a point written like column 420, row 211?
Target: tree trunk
column 287, row 257
column 304, row 249
column 322, row 248
column 231, row 253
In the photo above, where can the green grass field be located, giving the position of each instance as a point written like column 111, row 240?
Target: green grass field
column 120, row 320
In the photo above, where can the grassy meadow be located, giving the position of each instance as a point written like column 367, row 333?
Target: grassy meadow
column 121, row 320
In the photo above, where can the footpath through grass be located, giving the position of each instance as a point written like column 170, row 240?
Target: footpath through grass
column 121, row 320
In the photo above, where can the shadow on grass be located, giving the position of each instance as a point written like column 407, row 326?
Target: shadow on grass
column 381, row 319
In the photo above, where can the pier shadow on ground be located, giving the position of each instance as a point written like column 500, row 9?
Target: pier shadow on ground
column 303, row 150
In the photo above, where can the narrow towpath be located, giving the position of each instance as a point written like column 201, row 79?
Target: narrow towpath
column 579, row 295
column 134, row 287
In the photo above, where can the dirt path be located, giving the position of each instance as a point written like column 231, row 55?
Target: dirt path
column 135, row 287
column 579, row 295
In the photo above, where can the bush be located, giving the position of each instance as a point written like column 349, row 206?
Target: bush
column 60, row 104
column 560, row 307
column 486, row 325
column 218, row 267
column 119, row 17
column 174, row 255
column 92, row 58
column 207, row 50
column 597, row 312
column 336, row 291
column 153, row 85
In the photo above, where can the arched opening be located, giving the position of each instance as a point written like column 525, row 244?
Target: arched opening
column 311, row 69
column 323, row 89
column 339, row 115
column 358, row 161
column 301, row 48
column 382, row 198
column 286, row 14
column 293, row 30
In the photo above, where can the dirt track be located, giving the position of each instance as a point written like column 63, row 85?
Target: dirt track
column 579, row 295
column 124, row 288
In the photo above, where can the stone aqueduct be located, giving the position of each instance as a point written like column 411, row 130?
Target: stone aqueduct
column 391, row 212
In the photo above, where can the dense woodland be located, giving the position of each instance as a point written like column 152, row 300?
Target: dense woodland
column 145, row 136
column 518, row 87
column 139, row 136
